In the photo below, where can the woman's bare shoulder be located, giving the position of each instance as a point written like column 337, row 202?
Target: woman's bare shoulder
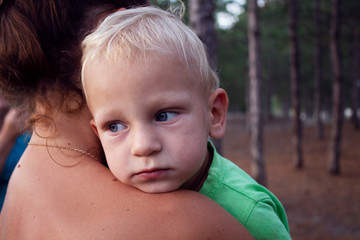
column 86, row 200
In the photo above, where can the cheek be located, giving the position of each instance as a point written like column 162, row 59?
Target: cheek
column 112, row 160
column 193, row 148
column 197, row 131
column 114, row 157
column 193, row 158
column 117, row 166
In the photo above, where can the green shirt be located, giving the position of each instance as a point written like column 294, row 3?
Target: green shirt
column 252, row 204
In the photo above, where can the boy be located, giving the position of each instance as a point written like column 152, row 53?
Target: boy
column 155, row 101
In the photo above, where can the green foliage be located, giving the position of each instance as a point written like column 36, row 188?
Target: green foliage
column 232, row 55
column 275, row 49
column 275, row 52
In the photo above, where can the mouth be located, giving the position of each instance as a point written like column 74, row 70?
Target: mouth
column 153, row 173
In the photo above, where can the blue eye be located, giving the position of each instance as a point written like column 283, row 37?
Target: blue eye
column 165, row 116
column 115, row 127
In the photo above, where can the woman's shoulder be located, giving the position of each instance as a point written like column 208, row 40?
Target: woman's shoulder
column 85, row 200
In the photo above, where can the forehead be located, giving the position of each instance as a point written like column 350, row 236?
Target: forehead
column 156, row 71
column 144, row 62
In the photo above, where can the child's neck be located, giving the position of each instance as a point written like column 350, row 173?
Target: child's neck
column 196, row 182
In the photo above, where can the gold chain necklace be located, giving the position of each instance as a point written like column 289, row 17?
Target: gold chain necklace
column 68, row 148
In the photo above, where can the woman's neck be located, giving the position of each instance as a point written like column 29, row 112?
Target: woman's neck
column 69, row 132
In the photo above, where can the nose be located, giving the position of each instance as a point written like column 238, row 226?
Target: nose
column 145, row 140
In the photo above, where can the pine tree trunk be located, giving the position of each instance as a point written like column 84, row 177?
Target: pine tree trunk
column 334, row 159
column 355, row 76
column 256, row 131
column 203, row 23
column 318, row 70
column 295, row 82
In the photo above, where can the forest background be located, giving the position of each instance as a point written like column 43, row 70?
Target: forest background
column 301, row 139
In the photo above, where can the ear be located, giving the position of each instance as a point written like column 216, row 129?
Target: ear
column 218, row 104
column 94, row 128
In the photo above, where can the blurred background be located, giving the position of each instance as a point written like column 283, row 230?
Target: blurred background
column 291, row 70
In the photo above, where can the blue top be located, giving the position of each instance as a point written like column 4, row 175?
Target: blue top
column 11, row 161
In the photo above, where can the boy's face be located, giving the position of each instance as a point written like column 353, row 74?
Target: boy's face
column 153, row 122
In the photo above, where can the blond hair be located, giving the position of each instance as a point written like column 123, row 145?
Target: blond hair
column 133, row 34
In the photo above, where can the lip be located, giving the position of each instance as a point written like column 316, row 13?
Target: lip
column 154, row 173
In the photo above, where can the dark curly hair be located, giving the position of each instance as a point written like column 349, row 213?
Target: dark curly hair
column 40, row 49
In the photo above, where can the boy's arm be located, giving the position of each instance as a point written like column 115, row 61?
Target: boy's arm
column 264, row 223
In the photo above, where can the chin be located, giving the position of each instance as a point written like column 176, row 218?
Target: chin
column 158, row 189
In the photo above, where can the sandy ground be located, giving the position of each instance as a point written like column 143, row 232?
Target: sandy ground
column 318, row 205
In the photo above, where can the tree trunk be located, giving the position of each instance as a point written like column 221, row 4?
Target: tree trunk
column 318, row 70
column 203, row 23
column 256, row 131
column 334, row 159
column 355, row 75
column 295, row 82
